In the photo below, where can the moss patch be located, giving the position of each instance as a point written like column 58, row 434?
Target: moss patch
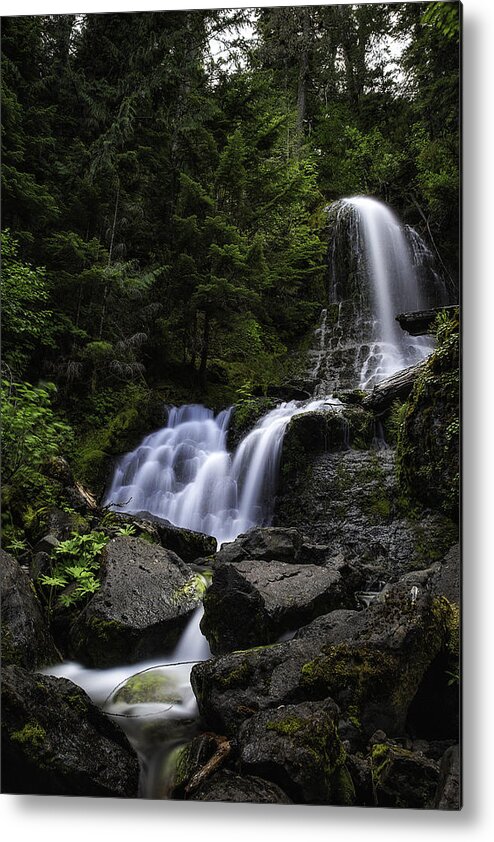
column 32, row 735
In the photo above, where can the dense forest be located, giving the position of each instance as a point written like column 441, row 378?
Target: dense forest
column 164, row 179
column 230, row 405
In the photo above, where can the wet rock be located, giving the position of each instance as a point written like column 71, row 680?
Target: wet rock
column 370, row 662
column 186, row 543
column 146, row 595
column 26, row 638
column 350, row 501
column 298, row 748
column 228, row 786
column 264, row 543
column 448, row 795
column 253, row 602
column 56, row 742
column 403, row 778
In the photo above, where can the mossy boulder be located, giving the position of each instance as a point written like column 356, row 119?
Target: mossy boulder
column 146, row 596
column 245, row 416
column 150, row 687
column 321, row 431
column 56, row 742
column 403, row 778
column 26, row 637
column 370, row 662
column 298, row 748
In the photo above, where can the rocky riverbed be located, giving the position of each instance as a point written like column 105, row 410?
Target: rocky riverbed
column 333, row 673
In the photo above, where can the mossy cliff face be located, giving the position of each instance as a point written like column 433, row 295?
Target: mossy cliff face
column 428, row 450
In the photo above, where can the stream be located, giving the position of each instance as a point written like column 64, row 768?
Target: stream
column 185, row 474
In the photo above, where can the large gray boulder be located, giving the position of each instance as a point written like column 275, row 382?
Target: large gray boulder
column 252, row 603
column 146, row 595
column 56, row 742
column 26, row 638
column 266, row 543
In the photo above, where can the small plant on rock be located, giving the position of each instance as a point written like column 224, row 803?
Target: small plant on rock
column 74, row 576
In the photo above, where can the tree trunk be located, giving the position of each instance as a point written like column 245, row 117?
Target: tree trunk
column 303, row 76
column 396, row 387
column 204, row 350
column 110, row 251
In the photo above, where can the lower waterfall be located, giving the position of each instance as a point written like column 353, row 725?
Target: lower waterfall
column 184, row 473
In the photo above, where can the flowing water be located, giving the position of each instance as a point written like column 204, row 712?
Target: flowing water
column 185, row 474
column 378, row 268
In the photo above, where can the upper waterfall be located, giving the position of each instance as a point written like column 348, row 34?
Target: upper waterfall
column 378, row 268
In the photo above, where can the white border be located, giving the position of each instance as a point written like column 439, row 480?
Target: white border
column 73, row 819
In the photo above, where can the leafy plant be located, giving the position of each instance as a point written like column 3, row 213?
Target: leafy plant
column 128, row 529
column 396, row 419
column 31, row 431
column 75, row 574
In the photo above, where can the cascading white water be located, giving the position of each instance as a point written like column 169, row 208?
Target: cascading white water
column 391, row 262
column 394, row 288
column 174, row 721
column 184, row 473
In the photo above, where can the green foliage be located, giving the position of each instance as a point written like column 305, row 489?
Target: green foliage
column 74, row 574
column 445, row 17
column 26, row 318
column 31, row 434
column 395, row 420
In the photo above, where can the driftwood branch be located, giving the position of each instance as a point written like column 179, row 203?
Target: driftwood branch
column 223, row 750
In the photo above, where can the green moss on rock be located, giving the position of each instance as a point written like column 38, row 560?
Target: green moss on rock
column 428, row 438
column 32, row 734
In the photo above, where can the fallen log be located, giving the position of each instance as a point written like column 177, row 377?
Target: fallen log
column 421, row 322
column 396, row 387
